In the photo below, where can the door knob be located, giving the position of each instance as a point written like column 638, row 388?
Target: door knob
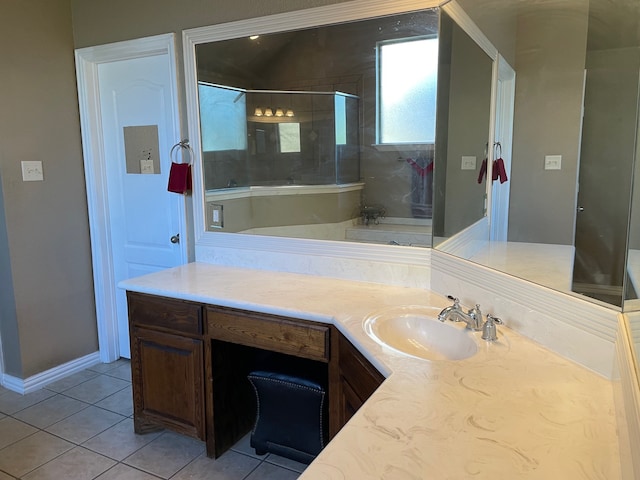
column 580, row 209
column 175, row 238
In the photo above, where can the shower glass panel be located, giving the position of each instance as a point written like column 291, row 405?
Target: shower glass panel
column 272, row 138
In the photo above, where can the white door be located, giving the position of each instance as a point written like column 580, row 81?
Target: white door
column 130, row 123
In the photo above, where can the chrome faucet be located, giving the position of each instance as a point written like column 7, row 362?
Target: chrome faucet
column 455, row 313
column 489, row 332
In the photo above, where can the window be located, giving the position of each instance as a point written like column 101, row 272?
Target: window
column 341, row 119
column 407, row 78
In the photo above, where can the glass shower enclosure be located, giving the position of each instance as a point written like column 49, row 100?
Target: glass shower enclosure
column 273, row 138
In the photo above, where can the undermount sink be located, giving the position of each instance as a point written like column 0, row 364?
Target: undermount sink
column 417, row 332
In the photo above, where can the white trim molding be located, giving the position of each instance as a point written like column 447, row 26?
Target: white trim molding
column 87, row 63
column 42, row 379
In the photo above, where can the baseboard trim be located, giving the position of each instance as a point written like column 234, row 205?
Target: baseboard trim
column 40, row 380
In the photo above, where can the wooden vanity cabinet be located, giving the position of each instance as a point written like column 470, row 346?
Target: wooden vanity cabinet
column 358, row 380
column 167, row 364
column 189, row 365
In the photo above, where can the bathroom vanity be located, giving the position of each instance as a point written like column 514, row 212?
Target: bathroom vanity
column 512, row 410
column 190, row 361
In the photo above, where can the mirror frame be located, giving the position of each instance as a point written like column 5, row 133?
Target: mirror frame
column 309, row 18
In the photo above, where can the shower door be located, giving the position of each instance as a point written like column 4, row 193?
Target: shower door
column 605, row 176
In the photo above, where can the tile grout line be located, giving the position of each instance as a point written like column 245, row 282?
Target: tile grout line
column 72, row 443
column 85, row 405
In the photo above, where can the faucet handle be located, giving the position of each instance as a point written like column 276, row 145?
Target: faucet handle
column 456, row 300
column 489, row 331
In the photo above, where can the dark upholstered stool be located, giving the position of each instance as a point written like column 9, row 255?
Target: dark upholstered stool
column 291, row 418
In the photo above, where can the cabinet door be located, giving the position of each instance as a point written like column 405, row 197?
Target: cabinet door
column 358, row 379
column 350, row 402
column 168, row 382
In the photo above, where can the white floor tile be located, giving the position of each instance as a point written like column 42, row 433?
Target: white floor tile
column 87, row 423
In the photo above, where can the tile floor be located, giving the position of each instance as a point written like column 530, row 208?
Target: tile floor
column 81, row 428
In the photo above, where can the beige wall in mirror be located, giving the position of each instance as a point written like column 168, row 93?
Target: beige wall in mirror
column 576, row 105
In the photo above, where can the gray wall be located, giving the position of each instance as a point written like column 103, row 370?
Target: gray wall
column 44, row 227
column 550, row 61
column 468, row 131
column 97, row 22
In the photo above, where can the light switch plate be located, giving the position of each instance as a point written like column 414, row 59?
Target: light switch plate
column 32, row 171
column 553, row 162
column 468, row 162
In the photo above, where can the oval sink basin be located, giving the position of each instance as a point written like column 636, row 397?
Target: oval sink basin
column 417, row 332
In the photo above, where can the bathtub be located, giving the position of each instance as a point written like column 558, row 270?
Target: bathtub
column 393, row 231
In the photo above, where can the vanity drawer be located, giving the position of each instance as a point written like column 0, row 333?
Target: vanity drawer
column 270, row 332
column 165, row 313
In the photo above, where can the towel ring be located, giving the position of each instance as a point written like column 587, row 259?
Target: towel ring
column 183, row 145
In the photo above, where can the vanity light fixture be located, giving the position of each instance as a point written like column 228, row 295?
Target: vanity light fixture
column 268, row 112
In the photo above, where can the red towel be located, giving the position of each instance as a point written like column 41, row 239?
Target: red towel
column 179, row 178
column 499, row 171
column 483, row 170
column 422, row 171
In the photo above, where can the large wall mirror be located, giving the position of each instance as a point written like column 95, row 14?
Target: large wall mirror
column 574, row 216
column 574, row 144
column 364, row 130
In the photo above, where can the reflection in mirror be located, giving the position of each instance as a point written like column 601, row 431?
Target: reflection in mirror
column 632, row 292
column 329, row 142
column 576, row 104
column 464, row 112
column 608, row 150
column 310, row 139
column 329, row 133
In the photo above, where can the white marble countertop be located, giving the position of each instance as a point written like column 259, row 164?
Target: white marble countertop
column 514, row 410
